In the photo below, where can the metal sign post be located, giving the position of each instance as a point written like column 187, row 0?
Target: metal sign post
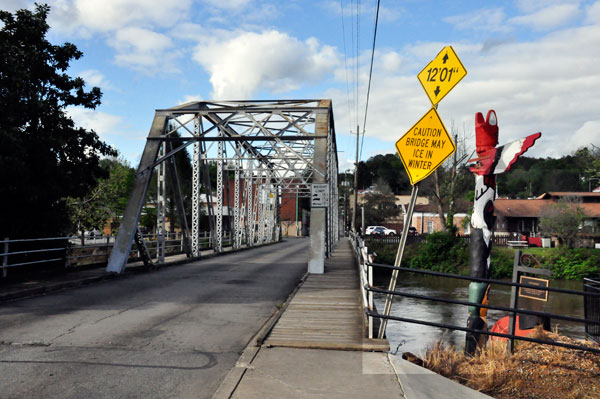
column 398, row 262
column 426, row 145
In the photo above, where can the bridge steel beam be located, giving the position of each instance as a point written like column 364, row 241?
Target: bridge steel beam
column 280, row 148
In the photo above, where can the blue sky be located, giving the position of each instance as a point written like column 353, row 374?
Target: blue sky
column 537, row 63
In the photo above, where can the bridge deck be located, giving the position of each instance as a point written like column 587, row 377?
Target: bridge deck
column 326, row 311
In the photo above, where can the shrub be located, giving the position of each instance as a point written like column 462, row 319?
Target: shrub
column 576, row 264
column 502, row 260
column 442, row 252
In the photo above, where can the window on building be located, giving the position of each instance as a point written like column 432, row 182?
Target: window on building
column 429, row 227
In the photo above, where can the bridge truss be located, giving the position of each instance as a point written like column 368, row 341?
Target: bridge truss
column 270, row 149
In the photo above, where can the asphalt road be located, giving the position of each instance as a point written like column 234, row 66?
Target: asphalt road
column 171, row 333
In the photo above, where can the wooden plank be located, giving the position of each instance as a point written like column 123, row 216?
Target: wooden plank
column 326, row 311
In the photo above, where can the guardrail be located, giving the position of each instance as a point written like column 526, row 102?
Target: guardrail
column 67, row 252
column 591, row 308
column 514, row 311
column 591, row 295
column 365, row 272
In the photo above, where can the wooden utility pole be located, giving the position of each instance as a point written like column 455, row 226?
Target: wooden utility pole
column 355, row 185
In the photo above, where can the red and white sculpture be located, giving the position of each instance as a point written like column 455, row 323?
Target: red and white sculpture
column 491, row 161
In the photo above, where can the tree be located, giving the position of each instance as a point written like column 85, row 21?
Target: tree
column 379, row 205
column 451, row 180
column 563, row 219
column 588, row 161
column 45, row 157
column 107, row 200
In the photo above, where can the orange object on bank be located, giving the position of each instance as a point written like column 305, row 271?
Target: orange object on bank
column 502, row 327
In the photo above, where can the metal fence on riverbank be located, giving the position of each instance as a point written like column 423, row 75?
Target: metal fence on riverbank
column 591, row 308
column 591, row 294
column 499, row 240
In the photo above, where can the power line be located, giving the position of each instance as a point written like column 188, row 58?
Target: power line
column 346, row 70
column 355, row 99
column 357, row 60
column 370, row 75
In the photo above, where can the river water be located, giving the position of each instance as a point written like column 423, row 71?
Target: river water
column 415, row 338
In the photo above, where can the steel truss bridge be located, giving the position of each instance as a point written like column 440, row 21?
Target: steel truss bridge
column 273, row 149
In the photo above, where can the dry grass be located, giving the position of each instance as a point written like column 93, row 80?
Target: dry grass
column 533, row 371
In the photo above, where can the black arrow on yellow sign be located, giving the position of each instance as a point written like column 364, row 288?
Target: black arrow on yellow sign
column 437, row 91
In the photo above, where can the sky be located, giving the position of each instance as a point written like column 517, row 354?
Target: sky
column 535, row 62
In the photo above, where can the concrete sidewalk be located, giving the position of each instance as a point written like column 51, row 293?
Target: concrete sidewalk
column 303, row 357
column 315, row 373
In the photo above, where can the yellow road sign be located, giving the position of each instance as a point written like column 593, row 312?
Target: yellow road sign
column 442, row 74
column 425, row 146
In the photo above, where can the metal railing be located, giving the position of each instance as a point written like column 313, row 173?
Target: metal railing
column 594, row 322
column 499, row 240
column 69, row 252
column 591, row 308
column 365, row 272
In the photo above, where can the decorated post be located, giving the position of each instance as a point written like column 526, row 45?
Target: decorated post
column 491, row 161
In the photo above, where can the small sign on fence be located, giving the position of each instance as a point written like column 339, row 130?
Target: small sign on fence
column 532, row 293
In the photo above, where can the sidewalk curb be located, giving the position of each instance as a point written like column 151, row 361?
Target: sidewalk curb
column 233, row 378
column 419, row 382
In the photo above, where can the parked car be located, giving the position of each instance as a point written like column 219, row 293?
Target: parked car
column 93, row 234
column 380, row 230
column 370, row 229
column 412, row 231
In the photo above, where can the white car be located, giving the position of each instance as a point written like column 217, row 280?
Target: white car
column 379, row 230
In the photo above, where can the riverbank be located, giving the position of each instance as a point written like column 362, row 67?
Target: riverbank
column 445, row 252
column 533, row 371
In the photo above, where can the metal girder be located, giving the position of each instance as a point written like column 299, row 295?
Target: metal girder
column 277, row 149
column 161, row 207
column 219, row 214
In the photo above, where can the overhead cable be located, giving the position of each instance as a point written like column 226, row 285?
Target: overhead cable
column 370, row 75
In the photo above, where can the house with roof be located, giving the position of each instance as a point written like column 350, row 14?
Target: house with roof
column 522, row 216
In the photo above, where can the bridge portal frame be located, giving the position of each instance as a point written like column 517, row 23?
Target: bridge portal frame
column 278, row 149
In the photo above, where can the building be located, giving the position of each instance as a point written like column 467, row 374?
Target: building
column 522, row 216
column 426, row 219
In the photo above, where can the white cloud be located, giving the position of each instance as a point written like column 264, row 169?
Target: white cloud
column 245, row 62
column 88, row 16
column 145, row 50
column 190, row 97
column 488, row 19
column 102, row 123
column 93, row 77
column 593, row 13
column 231, row 5
column 13, row 5
column 549, row 85
column 549, row 17
column 367, row 10
column 588, row 133
column 389, row 61
column 530, row 6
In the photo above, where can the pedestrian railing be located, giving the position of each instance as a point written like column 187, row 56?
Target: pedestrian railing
column 591, row 296
column 68, row 252
column 365, row 272
column 513, row 311
column 591, row 308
